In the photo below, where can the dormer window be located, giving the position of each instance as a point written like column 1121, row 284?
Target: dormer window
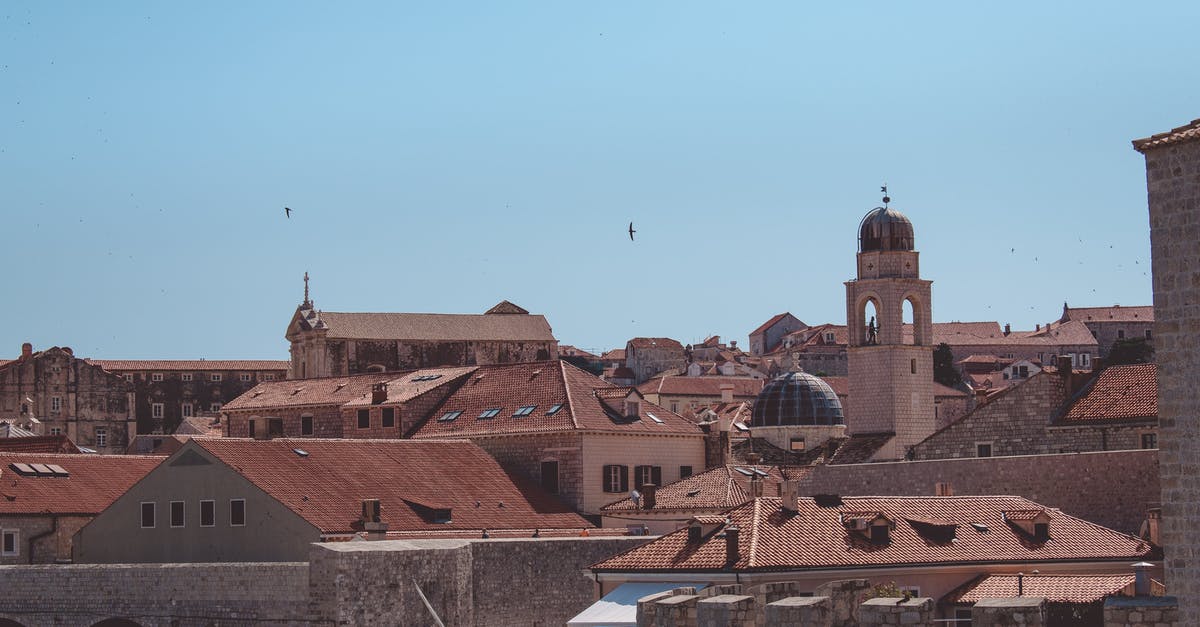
column 880, row 533
column 632, row 408
column 873, row 526
column 1034, row 523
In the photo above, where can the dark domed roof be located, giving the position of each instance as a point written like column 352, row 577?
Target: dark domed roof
column 885, row 229
column 796, row 398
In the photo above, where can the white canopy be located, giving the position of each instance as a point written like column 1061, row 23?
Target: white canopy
column 619, row 607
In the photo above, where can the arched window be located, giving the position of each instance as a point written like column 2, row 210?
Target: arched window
column 914, row 332
column 870, row 319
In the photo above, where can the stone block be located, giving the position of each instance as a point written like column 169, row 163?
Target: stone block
column 726, row 610
column 1030, row 611
column 807, row 611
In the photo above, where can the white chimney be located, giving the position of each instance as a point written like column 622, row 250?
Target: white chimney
column 727, row 393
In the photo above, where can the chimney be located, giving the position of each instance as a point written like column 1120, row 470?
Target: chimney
column 1007, row 329
column 756, row 487
column 1153, row 526
column 790, row 491
column 372, row 519
column 26, row 350
column 717, row 443
column 1020, row 584
column 1141, row 579
column 754, row 458
column 943, row 489
column 1064, row 368
column 727, row 393
column 68, row 351
column 732, row 343
column 1037, row 327
column 379, row 393
column 649, row 494
column 731, row 544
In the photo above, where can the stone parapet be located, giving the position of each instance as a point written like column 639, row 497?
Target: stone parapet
column 893, row 611
column 726, row 610
column 807, row 611
column 1141, row 612
column 1025, row 611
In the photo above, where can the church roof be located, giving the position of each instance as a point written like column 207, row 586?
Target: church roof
column 433, row 326
column 1187, row 132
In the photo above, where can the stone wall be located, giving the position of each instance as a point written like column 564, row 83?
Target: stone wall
column 200, row 393
column 327, row 421
column 523, row 455
column 1113, row 488
column 1141, row 611
column 42, row 539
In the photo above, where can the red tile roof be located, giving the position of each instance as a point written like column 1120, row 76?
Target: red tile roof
column 816, row 538
column 616, row 354
column 410, row 478
column 122, row 365
column 413, row 384
column 308, row 392
column 1116, row 313
column 1054, row 588
column 860, row 448
column 588, row 404
column 434, row 326
column 762, row 328
column 654, row 342
column 566, row 350
column 1118, row 393
column 702, row 386
column 1178, row 135
column 39, row 444
column 199, row 425
column 94, row 482
column 716, row 489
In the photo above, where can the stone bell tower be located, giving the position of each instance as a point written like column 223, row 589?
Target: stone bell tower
column 890, row 363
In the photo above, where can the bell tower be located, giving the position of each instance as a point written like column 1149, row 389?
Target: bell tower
column 890, row 363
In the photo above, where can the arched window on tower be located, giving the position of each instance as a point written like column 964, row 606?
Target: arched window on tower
column 914, row 333
column 870, row 322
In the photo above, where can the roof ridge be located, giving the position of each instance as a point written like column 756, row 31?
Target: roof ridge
column 567, row 391
column 752, row 560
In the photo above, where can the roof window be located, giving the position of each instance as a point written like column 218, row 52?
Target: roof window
column 426, row 377
column 301, row 452
column 490, row 413
column 524, row 410
column 654, row 418
column 554, row 409
column 449, row 416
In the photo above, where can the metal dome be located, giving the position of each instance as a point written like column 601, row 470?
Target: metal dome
column 796, row 398
column 885, row 229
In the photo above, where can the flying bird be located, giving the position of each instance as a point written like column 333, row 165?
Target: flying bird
column 288, row 212
column 631, row 231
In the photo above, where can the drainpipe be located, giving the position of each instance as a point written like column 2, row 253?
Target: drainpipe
column 53, row 528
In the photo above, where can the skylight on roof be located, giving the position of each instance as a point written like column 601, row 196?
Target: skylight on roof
column 654, row 418
column 426, row 377
column 450, row 415
column 490, row 413
column 301, row 452
column 524, row 410
column 554, row 409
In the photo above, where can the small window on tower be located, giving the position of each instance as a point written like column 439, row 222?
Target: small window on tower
column 913, row 365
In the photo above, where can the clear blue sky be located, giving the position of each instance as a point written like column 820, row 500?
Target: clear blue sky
column 441, row 157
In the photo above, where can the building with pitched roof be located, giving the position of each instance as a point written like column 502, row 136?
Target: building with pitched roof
column 326, row 343
column 47, row 497
column 1111, row 324
column 243, row 500
column 770, row 334
column 690, row 394
column 648, row 356
column 926, row 545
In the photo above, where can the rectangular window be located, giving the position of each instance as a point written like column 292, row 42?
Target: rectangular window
column 101, row 436
column 129, row 378
column 56, row 404
column 237, row 512
column 268, row 377
column 616, row 478
column 275, row 427
column 186, row 410
column 208, row 513
column 1149, row 440
column 550, row 476
column 796, row 444
column 214, row 407
column 187, row 376
column 157, row 376
column 388, row 416
column 246, row 376
column 685, row 472
column 11, row 546
column 215, row 377
column 1149, row 335
column 306, row 425
column 913, row 365
column 647, row 474
column 55, row 430
column 674, row 407
column 364, row 419
column 176, row 513
column 147, row 515
column 1120, row 334
column 156, row 410
column 983, row 449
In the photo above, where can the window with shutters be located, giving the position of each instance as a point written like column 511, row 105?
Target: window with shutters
column 647, row 474
column 616, row 478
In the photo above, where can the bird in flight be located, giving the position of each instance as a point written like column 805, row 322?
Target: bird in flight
column 288, row 212
column 631, row 231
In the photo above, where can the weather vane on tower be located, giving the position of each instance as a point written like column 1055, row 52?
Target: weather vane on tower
column 886, row 199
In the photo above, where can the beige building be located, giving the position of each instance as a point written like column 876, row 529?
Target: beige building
column 648, row 356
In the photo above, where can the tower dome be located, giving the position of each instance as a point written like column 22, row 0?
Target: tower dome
column 796, row 399
column 885, row 229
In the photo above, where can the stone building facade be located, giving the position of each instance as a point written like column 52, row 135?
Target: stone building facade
column 769, row 334
column 648, row 356
column 1173, row 195
column 168, row 391
column 68, row 396
column 1110, row 324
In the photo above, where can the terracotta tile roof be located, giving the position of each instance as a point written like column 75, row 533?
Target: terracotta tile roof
column 616, row 354
column 1073, row 332
column 859, row 449
column 39, row 444
column 121, row 365
column 716, row 489
column 588, row 403
column 740, row 451
column 1118, row 393
column 1054, row 588
column 94, row 482
column 956, row 333
column 816, row 538
column 566, row 350
column 1116, row 313
column 199, row 425
column 762, row 328
column 990, row 360
column 307, row 392
column 411, row 479
column 940, row 391
column 654, row 342
column 839, row 385
column 433, row 327
column 1186, row 133
column 702, row 386
column 413, row 384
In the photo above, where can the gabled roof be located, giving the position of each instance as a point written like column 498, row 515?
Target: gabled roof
column 587, row 403
column 654, row 342
column 308, row 392
column 1178, row 135
column 39, row 444
column 1128, row 392
column 94, row 482
column 566, row 350
column 494, row 327
column 412, row 479
column 772, row 321
column 716, row 489
column 773, row 539
column 702, row 386
column 1116, row 313
column 1053, row 588
column 616, row 354
column 121, row 365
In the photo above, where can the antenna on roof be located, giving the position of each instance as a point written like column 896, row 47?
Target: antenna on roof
column 882, row 188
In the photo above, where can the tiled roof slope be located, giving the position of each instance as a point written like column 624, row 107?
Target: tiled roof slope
column 435, row 327
column 301, row 392
column 1054, row 588
column 655, row 342
column 1127, row 392
column 860, row 448
column 701, row 386
column 762, row 328
column 1116, row 313
column 1186, row 133
column 326, row 487
column 411, row 385
column 120, row 365
column 95, row 481
column 39, row 444
column 199, row 425
column 616, row 354
column 773, row 539
column 587, row 404
column 719, row 488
